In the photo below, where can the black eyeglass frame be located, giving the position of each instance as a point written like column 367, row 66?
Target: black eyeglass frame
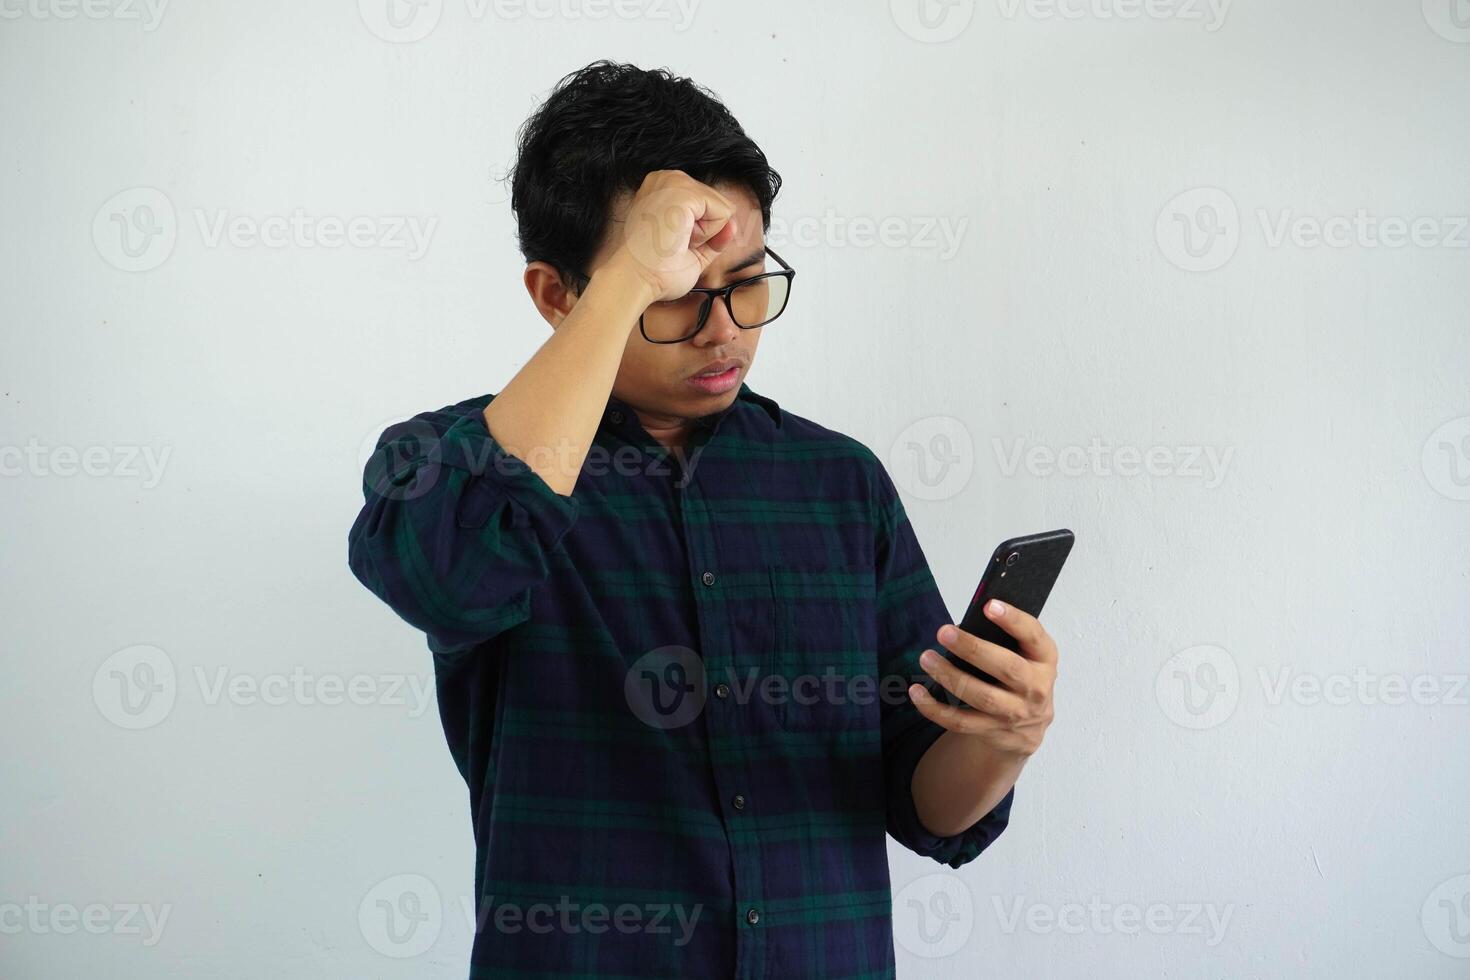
column 785, row 272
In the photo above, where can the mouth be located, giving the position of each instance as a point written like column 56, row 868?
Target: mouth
column 718, row 377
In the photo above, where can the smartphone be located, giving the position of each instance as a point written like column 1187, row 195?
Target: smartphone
column 1021, row 574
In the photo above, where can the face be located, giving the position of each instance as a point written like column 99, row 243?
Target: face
column 658, row 380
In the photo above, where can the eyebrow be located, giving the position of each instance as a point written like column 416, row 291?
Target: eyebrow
column 754, row 258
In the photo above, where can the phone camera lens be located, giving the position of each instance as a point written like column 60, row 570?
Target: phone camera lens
column 1013, row 557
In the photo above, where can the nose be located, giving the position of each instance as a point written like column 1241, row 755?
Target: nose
column 718, row 328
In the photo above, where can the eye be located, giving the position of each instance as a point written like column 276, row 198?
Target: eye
column 688, row 299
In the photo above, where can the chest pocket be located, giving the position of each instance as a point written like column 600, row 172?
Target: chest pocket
column 814, row 687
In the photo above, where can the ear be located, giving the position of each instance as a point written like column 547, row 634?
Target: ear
column 553, row 300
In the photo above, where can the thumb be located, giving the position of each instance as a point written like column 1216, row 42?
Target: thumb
column 721, row 237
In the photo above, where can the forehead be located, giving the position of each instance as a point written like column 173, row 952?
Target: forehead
column 749, row 228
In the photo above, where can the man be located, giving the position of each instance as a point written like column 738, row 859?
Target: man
column 675, row 626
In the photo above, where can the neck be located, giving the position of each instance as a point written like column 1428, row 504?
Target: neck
column 671, row 433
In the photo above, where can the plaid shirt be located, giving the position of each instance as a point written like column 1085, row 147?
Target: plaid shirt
column 677, row 695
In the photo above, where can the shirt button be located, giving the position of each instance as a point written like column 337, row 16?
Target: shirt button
column 722, row 690
column 752, row 916
column 616, row 417
column 708, row 578
column 739, row 802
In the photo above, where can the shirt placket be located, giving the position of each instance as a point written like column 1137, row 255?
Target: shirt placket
column 722, row 726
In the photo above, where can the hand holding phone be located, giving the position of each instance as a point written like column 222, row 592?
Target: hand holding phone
column 1021, row 574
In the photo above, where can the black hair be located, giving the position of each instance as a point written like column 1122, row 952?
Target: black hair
column 602, row 130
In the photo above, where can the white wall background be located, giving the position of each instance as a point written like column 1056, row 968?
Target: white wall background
column 1261, row 716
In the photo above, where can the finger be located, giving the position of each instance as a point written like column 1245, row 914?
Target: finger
column 716, row 204
column 710, row 205
column 712, row 232
column 983, row 697
column 1006, row 666
column 1036, row 643
column 722, row 237
column 947, row 716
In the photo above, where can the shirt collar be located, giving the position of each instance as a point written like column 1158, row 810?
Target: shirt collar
column 619, row 417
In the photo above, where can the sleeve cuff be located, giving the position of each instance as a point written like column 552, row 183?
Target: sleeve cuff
column 903, row 819
column 497, row 476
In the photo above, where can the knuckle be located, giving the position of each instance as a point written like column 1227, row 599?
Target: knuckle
column 1015, row 674
column 959, row 681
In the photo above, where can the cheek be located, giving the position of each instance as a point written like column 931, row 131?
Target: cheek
column 647, row 367
column 634, row 367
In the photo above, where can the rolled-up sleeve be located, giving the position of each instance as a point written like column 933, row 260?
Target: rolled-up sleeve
column 910, row 611
column 454, row 531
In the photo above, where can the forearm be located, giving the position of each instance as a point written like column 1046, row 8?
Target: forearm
column 547, row 414
column 960, row 779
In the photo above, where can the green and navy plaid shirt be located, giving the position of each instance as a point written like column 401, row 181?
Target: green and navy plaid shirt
column 677, row 695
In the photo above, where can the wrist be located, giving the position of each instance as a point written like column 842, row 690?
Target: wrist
column 632, row 276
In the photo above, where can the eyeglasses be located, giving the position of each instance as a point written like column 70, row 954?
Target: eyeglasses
column 751, row 303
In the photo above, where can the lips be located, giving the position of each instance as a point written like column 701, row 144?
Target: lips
column 716, row 367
